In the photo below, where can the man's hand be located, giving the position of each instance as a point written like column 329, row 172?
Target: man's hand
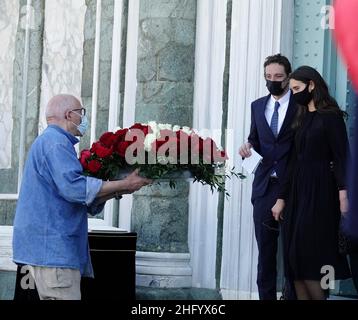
column 245, row 151
column 344, row 205
column 343, row 202
column 130, row 184
column 277, row 209
column 134, row 182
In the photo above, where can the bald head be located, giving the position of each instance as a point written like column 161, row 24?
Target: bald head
column 59, row 105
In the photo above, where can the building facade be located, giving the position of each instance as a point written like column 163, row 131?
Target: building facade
column 196, row 63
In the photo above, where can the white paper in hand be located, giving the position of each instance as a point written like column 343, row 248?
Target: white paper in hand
column 250, row 164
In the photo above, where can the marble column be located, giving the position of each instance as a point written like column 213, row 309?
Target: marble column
column 164, row 94
column 9, row 171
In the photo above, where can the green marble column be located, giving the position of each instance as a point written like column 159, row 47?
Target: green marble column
column 8, row 177
column 164, row 94
column 166, row 51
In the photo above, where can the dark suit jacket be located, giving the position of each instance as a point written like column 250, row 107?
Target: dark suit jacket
column 351, row 222
column 274, row 151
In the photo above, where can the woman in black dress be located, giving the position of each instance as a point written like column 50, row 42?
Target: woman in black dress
column 314, row 194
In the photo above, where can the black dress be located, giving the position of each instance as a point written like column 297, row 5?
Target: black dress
column 316, row 173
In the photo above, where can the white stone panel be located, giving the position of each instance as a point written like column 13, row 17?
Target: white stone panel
column 9, row 16
column 63, row 51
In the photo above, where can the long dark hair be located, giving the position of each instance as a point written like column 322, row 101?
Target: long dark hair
column 322, row 99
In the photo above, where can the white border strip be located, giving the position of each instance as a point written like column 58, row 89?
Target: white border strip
column 96, row 71
column 210, row 51
column 114, row 103
column 9, row 196
column 130, row 93
column 24, row 94
column 130, row 90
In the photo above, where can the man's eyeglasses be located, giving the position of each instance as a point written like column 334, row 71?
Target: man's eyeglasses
column 80, row 111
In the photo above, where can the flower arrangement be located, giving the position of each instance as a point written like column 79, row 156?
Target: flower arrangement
column 158, row 150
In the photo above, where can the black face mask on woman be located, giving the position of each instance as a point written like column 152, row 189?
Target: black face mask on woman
column 275, row 87
column 304, row 97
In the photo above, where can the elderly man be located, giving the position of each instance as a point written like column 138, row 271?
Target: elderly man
column 50, row 228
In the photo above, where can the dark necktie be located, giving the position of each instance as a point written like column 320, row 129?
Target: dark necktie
column 274, row 120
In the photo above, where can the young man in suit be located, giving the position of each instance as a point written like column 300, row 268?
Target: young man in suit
column 271, row 135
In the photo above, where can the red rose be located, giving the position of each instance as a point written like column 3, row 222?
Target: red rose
column 182, row 135
column 137, row 137
column 183, row 143
column 224, row 155
column 197, row 144
column 122, row 148
column 165, row 135
column 144, row 128
column 85, row 154
column 94, row 166
column 108, row 139
column 122, row 142
column 100, row 150
column 210, row 149
column 219, row 156
column 171, row 145
column 121, row 134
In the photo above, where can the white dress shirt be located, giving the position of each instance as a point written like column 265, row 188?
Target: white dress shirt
column 282, row 110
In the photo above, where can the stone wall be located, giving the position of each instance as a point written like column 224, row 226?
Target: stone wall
column 62, row 52
column 165, row 76
column 9, row 13
column 8, row 177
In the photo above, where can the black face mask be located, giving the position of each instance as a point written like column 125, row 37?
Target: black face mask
column 275, row 87
column 304, row 97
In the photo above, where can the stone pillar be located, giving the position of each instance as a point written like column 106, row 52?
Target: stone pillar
column 8, row 180
column 164, row 94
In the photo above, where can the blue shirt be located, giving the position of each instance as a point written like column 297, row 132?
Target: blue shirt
column 50, row 227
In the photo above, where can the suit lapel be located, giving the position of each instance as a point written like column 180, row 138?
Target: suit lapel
column 263, row 120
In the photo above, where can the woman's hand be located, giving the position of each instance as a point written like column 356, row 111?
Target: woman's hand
column 277, row 209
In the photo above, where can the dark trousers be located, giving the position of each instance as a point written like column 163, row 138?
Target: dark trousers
column 267, row 233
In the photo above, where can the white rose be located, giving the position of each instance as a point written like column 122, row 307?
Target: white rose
column 149, row 139
column 187, row 130
column 195, row 131
column 165, row 126
column 152, row 124
column 155, row 129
